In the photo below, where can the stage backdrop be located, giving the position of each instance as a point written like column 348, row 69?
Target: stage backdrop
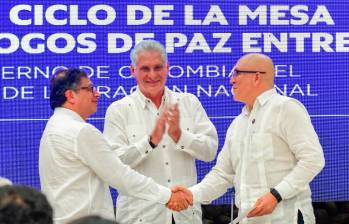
column 308, row 40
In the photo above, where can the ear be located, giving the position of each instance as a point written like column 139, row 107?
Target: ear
column 257, row 79
column 133, row 70
column 70, row 95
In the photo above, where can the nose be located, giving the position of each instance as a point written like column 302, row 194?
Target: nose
column 96, row 94
column 232, row 80
column 152, row 74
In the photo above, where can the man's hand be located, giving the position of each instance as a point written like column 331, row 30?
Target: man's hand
column 180, row 199
column 159, row 128
column 174, row 130
column 264, row 205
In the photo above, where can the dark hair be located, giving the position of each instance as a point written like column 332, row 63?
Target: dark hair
column 24, row 205
column 92, row 219
column 63, row 80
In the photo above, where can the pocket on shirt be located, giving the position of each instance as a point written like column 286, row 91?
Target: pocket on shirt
column 262, row 146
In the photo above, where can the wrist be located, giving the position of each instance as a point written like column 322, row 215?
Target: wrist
column 276, row 194
column 151, row 143
column 176, row 135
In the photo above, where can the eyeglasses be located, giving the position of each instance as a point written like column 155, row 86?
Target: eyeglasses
column 237, row 72
column 89, row 88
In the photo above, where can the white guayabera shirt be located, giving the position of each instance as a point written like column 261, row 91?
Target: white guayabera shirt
column 128, row 124
column 76, row 165
column 273, row 146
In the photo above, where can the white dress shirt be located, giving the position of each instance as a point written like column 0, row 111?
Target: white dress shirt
column 76, row 166
column 273, row 146
column 128, row 125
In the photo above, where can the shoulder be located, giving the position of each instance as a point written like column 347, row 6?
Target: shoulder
column 235, row 122
column 88, row 131
column 125, row 101
column 63, row 130
column 286, row 104
column 289, row 104
column 121, row 106
column 64, row 124
column 232, row 128
column 290, row 108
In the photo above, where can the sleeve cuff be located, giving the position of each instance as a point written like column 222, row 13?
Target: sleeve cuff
column 143, row 147
column 164, row 194
column 185, row 140
column 196, row 194
column 285, row 190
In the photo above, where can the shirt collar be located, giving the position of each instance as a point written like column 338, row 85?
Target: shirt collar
column 266, row 96
column 144, row 101
column 245, row 112
column 261, row 100
column 69, row 113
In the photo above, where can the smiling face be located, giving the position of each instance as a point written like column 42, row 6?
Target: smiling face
column 87, row 98
column 151, row 74
column 83, row 99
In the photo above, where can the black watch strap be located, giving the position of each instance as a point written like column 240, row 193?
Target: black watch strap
column 151, row 143
column 276, row 194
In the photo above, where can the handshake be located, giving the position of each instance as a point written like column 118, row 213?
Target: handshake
column 180, row 199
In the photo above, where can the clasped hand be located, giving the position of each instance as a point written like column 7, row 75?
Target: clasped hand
column 181, row 198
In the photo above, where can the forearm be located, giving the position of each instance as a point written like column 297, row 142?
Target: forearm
column 211, row 187
column 308, row 166
column 201, row 146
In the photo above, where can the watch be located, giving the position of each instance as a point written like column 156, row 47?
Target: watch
column 151, row 143
column 276, row 194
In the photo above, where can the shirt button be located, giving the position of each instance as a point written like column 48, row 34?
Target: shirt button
column 187, row 129
column 169, row 180
column 253, row 121
column 166, row 163
column 157, row 113
column 182, row 147
column 146, row 152
column 163, row 146
column 133, row 135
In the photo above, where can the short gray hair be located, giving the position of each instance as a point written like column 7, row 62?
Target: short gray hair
column 147, row 45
